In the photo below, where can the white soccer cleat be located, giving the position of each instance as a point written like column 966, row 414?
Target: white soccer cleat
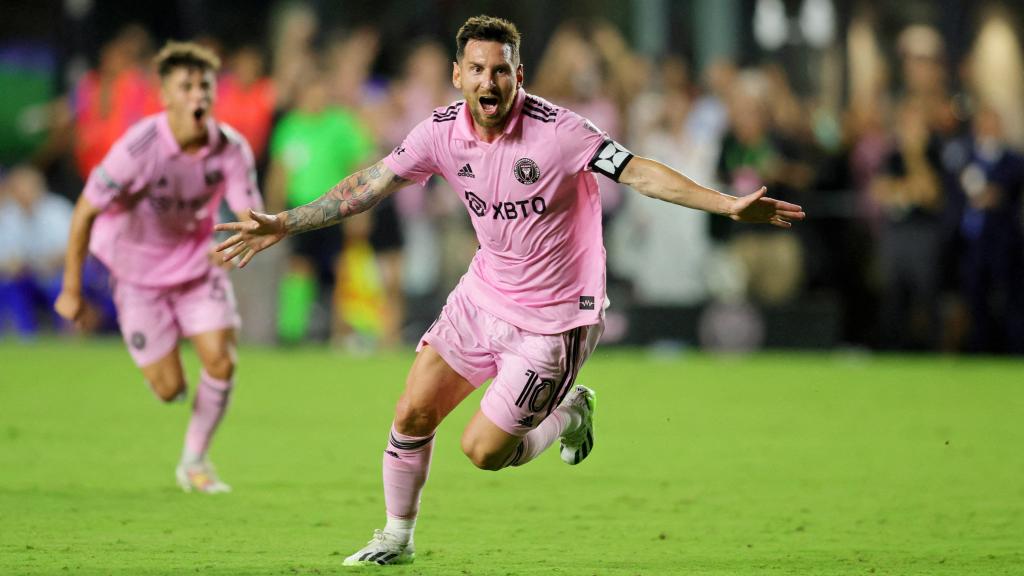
column 577, row 444
column 383, row 550
column 200, row 477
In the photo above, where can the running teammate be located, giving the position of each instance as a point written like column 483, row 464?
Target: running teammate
column 147, row 212
column 530, row 309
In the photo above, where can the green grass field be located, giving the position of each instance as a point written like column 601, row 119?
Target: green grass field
column 775, row 464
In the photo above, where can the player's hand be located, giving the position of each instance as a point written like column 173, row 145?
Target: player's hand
column 758, row 208
column 251, row 236
column 70, row 306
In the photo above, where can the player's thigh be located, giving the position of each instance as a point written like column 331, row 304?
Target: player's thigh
column 432, row 390
column 165, row 375
column 487, row 445
column 207, row 312
column 146, row 319
column 217, row 352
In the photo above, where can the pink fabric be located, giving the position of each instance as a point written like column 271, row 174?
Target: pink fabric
column 160, row 203
column 153, row 319
column 534, row 204
column 211, row 402
column 532, row 372
column 406, row 466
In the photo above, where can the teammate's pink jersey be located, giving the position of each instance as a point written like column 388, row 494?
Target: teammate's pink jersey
column 159, row 203
column 534, row 204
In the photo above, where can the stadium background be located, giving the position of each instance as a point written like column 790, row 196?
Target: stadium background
column 883, row 449
column 823, row 89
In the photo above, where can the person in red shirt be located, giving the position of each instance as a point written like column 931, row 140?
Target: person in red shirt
column 246, row 98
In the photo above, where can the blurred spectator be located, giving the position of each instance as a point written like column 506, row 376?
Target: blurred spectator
column 909, row 190
column 991, row 181
column 246, row 98
column 426, row 212
column 995, row 70
column 571, row 74
column 750, row 158
column 109, row 99
column 314, row 147
column 294, row 26
column 659, row 249
column 709, row 119
column 33, row 236
column 574, row 73
column 370, row 305
column 925, row 78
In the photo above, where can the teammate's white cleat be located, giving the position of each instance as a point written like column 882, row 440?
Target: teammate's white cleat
column 383, row 550
column 200, row 477
column 577, row 444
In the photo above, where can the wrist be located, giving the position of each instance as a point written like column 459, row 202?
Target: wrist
column 727, row 206
column 282, row 218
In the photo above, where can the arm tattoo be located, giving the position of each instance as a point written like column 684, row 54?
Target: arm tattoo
column 357, row 193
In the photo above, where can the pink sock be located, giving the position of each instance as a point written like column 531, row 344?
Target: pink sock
column 537, row 440
column 406, row 465
column 212, row 396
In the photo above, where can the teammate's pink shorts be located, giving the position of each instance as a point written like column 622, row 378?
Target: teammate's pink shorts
column 532, row 372
column 153, row 319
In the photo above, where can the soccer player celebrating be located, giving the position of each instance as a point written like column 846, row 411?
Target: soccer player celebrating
column 529, row 311
column 147, row 212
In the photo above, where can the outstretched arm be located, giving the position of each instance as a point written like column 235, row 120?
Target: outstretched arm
column 357, row 193
column 656, row 180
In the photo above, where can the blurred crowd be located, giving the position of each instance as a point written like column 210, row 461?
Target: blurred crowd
column 907, row 162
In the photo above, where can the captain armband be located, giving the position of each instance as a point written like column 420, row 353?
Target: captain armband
column 610, row 159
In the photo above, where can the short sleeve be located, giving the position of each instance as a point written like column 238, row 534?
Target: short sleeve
column 578, row 138
column 114, row 176
column 241, row 189
column 414, row 158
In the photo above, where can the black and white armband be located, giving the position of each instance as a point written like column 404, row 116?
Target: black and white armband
column 610, row 159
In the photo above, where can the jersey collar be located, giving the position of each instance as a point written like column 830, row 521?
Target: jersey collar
column 464, row 126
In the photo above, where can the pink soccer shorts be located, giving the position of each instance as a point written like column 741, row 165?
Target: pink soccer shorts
column 153, row 319
column 532, row 372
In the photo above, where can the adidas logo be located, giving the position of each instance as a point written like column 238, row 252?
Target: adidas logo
column 466, row 172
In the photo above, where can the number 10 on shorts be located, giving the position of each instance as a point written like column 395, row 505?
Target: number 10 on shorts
column 536, row 392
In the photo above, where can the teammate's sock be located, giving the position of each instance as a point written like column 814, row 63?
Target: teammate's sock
column 544, row 435
column 296, row 298
column 406, row 465
column 212, row 397
column 400, row 528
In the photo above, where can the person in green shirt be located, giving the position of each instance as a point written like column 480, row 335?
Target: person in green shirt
column 312, row 148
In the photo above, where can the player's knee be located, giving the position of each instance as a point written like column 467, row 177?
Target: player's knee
column 168, row 388
column 415, row 420
column 481, row 457
column 221, row 367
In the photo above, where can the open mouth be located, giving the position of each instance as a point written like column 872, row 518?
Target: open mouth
column 489, row 105
column 199, row 113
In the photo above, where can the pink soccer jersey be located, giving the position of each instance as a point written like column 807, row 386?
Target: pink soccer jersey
column 159, row 203
column 534, row 203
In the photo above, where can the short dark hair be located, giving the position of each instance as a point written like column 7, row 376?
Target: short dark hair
column 487, row 28
column 187, row 54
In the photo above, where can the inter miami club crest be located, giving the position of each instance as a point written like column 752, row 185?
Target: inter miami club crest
column 526, row 171
column 138, row 340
